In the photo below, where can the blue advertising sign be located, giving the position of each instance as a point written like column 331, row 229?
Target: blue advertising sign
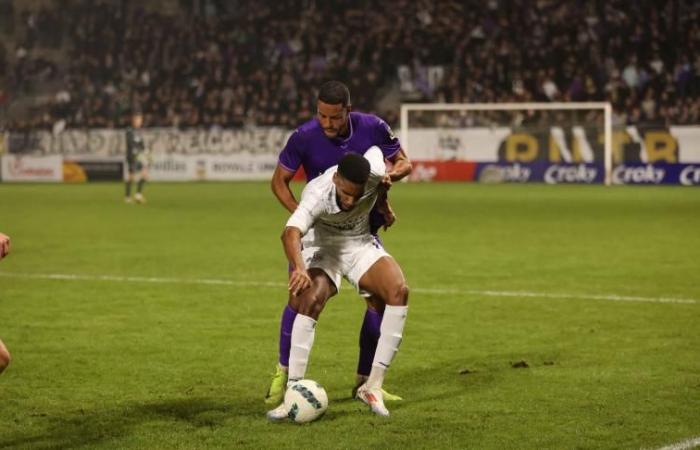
column 540, row 172
column 640, row 173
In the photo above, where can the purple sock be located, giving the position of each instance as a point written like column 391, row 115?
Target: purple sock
column 369, row 335
column 286, row 325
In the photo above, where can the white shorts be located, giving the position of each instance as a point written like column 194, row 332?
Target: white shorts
column 350, row 260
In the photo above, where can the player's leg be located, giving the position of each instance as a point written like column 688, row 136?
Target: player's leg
column 369, row 332
column 369, row 336
column 143, row 177
column 128, row 183
column 308, row 305
column 4, row 357
column 385, row 280
column 312, row 259
column 278, row 385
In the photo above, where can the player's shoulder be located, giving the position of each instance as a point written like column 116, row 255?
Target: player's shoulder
column 365, row 118
column 307, row 128
column 370, row 121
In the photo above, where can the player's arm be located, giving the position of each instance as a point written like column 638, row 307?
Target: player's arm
column 379, row 175
column 391, row 147
column 147, row 153
column 280, row 187
column 402, row 167
column 130, row 142
column 384, row 208
column 4, row 245
column 291, row 241
column 301, row 220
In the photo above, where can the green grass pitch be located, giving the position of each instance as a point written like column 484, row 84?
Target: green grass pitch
column 159, row 326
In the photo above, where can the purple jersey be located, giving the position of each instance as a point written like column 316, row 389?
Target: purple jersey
column 309, row 147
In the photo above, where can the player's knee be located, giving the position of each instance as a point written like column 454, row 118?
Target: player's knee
column 312, row 305
column 399, row 295
column 4, row 359
column 375, row 303
column 294, row 302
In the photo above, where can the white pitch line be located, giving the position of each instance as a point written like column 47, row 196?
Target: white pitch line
column 684, row 445
column 419, row 290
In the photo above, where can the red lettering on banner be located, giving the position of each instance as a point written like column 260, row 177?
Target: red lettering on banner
column 443, row 171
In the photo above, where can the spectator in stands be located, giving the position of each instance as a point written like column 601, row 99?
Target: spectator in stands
column 258, row 63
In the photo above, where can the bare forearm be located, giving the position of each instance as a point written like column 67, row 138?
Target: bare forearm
column 402, row 167
column 291, row 241
column 280, row 187
column 288, row 201
column 284, row 195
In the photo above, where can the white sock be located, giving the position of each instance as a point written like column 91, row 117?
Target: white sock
column 303, row 332
column 391, row 333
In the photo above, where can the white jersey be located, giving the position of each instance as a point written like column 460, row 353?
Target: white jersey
column 319, row 208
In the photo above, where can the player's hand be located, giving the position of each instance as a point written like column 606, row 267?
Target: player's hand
column 4, row 245
column 298, row 281
column 389, row 216
column 386, row 182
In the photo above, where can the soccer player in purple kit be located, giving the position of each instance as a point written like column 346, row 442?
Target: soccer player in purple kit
column 316, row 146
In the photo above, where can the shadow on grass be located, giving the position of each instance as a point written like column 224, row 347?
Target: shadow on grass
column 90, row 427
column 76, row 428
column 451, row 379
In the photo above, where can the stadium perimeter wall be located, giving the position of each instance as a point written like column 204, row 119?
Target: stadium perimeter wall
column 642, row 155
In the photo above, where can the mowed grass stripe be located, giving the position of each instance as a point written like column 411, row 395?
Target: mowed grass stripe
column 419, row 290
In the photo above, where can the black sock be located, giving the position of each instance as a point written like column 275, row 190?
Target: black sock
column 139, row 188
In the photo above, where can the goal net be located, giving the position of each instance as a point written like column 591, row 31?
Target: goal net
column 509, row 142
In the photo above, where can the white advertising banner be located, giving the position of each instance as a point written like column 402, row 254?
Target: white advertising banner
column 32, row 168
column 545, row 154
column 212, row 167
column 177, row 168
column 107, row 142
column 688, row 138
column 474, row 144
column 240, row 167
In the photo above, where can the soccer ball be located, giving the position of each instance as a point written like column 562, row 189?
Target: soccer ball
column 305, row 400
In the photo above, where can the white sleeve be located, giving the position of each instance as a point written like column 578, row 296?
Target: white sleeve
column 307, row 212
column 376, row 164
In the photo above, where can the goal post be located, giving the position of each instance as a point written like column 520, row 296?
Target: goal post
column 573, row 138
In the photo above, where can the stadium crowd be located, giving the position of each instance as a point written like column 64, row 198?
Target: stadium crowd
column 257, row 63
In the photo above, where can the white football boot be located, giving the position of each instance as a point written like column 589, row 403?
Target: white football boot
column 277, row 414
column 373, row 398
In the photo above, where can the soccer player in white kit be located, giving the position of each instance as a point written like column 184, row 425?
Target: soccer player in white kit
column 337, row 206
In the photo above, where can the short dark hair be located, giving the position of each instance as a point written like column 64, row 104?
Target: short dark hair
column 354, row 168
column 334, row 92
